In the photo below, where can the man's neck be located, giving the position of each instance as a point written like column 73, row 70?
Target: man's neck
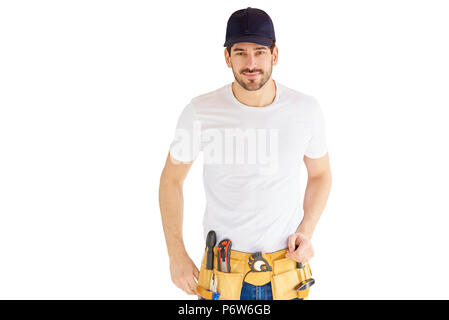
column 259, row 98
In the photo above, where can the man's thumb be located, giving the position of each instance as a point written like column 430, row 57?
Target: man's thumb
column 291, row 243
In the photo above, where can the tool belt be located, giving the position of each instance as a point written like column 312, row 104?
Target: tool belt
column 257, row 269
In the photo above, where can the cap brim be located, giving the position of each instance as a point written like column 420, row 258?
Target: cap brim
column 250, row 38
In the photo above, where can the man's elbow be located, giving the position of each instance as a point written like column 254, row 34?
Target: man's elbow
column 324, row 178
column 169, row 180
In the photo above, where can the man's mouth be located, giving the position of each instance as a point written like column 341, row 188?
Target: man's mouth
column 251, row 74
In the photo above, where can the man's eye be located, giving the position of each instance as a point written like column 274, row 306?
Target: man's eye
column 241, row 53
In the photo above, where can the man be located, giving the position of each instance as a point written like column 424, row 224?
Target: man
column 254, row 133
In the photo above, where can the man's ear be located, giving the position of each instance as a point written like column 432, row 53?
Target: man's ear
column 275, row 55
column 227, row 58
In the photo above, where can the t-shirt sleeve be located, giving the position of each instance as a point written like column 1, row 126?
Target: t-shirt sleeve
column 317, row 146
column 186, row 143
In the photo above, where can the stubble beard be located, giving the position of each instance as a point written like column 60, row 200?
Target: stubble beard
column 252, row 84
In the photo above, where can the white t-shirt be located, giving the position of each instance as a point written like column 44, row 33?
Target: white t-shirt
column 252, row 161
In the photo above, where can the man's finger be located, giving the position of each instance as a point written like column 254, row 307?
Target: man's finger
column 293, row 256
column 291, row 243
column 195, row 287
column 305, row 255
column 189, row 290
column 186, row 287
column 196, row 273
column 301, row 258
column 297, row 255
column 192, row 286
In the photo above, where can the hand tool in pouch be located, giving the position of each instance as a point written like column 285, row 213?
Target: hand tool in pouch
column 303, row 285
column 211, row 239
column 213, row 287
column 224, row 255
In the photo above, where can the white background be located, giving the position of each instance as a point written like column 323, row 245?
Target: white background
column 90, row 92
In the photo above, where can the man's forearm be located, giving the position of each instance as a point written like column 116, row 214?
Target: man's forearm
column 315, row 198
column 171, row 204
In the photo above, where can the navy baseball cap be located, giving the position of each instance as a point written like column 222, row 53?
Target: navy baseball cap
column 250, row 25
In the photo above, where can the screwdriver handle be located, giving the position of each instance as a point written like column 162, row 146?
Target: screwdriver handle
column 211, row 239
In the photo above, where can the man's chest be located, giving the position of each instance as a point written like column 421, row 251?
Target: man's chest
column 256, row 140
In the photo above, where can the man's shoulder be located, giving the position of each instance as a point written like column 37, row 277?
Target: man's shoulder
column 299, row 100
column 295, row 94
column 210, row 97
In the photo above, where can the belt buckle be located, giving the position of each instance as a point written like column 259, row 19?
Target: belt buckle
column 257, row 263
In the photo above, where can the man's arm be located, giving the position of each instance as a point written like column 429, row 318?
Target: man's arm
column 317, row 192
column 171, row 202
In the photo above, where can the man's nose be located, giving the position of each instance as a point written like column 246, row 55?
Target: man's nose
column 251, row 62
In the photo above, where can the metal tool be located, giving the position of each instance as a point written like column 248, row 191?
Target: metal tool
column 224, row 255
column 213, row 287
column 257, row 263
column 211, row 240
column 213, row 283
column 305, row 284
column 298, row 264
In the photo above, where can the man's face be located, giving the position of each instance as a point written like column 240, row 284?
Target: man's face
column 251, row 64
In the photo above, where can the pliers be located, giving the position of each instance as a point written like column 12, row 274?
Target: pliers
column 213, row 287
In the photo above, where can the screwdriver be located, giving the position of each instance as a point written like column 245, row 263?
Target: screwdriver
column 211, row 239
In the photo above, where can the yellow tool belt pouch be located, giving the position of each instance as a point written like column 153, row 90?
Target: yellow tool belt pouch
column 284, row 276
column 229, row 284
column 204, row 281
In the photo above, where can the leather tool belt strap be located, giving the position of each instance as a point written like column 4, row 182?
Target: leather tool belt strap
column 257, row 269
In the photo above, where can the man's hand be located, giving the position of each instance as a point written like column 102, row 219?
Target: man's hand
column 184, row 274
column 304, row 252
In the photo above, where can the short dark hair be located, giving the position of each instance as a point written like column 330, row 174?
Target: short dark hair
column 271, row 48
